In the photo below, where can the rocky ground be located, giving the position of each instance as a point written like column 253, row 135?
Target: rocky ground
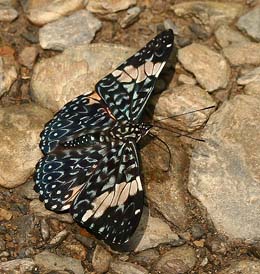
column 203, row 214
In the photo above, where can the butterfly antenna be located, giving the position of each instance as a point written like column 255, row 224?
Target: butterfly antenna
column 166, row 145
column 177, row 115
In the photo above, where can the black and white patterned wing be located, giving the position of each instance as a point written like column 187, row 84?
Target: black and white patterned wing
column 111, row 203
column 127, row 89
column 83, row 115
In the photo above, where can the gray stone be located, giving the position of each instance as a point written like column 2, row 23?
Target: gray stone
column 101, row 259
column 249, row 77
column 225, row 170
column 177, row 260
column 42, row 12
column 50, row 261
column 243, row 53
column 250, row 23
column 209, row 67
column 180, row 100
column 59, row 79
column 131, row 16
column 20, row 127
column 17, row 266
column 118, row 267
column 78, row 28
column 226, row 36
column 243, row 266
column 109, row 6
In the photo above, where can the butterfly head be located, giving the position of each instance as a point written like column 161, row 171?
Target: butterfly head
column 143, row 129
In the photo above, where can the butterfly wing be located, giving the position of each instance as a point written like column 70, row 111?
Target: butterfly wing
column 127, row 89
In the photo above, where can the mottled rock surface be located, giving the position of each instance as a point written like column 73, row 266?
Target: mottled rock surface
column 243, row 266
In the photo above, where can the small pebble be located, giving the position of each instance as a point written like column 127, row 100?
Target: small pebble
column 131, row 17
column 5, row 215
column 59, row 238
column 45, row 230
column 197, row 231
column 28, row 56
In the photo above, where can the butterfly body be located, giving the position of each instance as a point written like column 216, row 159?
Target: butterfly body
column 91, row 165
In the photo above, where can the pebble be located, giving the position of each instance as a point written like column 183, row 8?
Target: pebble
column 59, row 238
column 226, row 36
column 246, row 53
column 249, row 77
column 109, row 6
column 101, row 259
column 197, row 231
column 87, row 242
column 177, row 260
column 20, row 127
column 218, row 247
column 250, row 23
column 147, row 257
column 31, row 37
column 28, row 56
column 2, row 245
column 17, row 266
column 118, row 267
column 131, row 17
column 43, row 12
column 185, row 79
column 7, row 14
column 243, row 266
column 77, row 251
column 5, row 215
column 232, row 144
column 209, row 67
column 78, row 28
column 45, row 230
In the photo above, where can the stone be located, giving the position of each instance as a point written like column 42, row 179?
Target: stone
column 197, row 231
column 59, row 238
column 17, row 266
column 28, row 56
column 177, row 260
column 7, row 14
column 182, row 99
column 41, row 12
column 77, row 251
column 226, row 36
column 147, row 257
column 20, row 127
column 45, row 230
column 249, row 77
column 78, row 28
column 59, row 79
column 109, row 6
column 225, row 170
column 8, row 72
column 209, row 13
column 101, row 259
column 253, row 89
column 26, row 190
column 118, row 267
column 243, row 266
column 51, row 262
column 185, row 79
column 245, row 53
column 131, row 17
column 209, row 67
column 37, row 208
column 5, row 215
column 250, row 23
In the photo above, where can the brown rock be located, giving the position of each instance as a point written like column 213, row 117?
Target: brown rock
column 27, row 56
column 101, row 259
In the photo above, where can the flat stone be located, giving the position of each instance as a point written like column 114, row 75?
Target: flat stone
column 226, row 36
column 209, row 13
column 41, row 12
column 209, row 67
column 78, row 28
column 177, row 260
column 118, row 267
column 20, row 127
column 250, row 23
column 17, row 266
column 109, row 6
column 246, row 53
column 249, row 77
column 180, row 100
column 8, row 14
column 131, row 17
column 101, row 259
column 28, row 56
column 57, row 80
column 225, row 170
column 244, row 266
column 50, row 261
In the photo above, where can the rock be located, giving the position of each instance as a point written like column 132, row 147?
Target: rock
column 209, row 67
column 77, row 251
column 51, row 262
column 59, row 79
column 243, row 53
column 31, row 37
column 131, row 16
column 20, row 127
column 225, row 170
column 178, row 260
column 243, row 266
column 37, row 208
column 8, row 73
column 7, row 14
column 147, row 257
column 185, row 79
column 26, row 190
column 118, row 267
column 78, row 28
column 197, row 231
column 182, row 99
column 42, row 12
column 249, row 77
column 250, row 23
column 253, row 89
column 209, row 13
column 109, row 6
column 59, row 238
column 17, row 266
column 5, row 215
column 101, row 259
column 226, row 36
column 27, row 56
column 45, row 230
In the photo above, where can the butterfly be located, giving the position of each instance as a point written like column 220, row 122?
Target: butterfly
column 90, row 165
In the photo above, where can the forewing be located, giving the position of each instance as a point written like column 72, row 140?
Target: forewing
column 85, row 113
column 111, row 204
column 127, row 89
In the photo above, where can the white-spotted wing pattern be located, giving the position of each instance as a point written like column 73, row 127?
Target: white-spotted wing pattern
column 90, row 165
